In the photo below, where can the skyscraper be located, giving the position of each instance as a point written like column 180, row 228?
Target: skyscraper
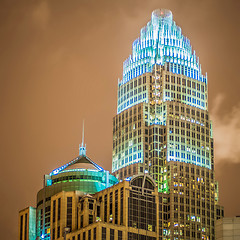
column 163, row 128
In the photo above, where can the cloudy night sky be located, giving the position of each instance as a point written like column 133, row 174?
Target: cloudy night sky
column 60, row 61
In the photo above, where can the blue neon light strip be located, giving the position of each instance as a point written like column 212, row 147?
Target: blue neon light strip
column 58, row 170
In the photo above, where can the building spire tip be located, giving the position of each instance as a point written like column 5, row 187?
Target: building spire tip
column 82, row 147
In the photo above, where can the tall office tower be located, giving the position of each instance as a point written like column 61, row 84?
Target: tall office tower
column 162, row 127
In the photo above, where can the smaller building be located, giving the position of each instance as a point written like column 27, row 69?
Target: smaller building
column 57, row 201
column 128, row 210
column 27, row 224
column 228, row 228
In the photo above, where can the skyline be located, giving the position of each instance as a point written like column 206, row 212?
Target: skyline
column 63, row 141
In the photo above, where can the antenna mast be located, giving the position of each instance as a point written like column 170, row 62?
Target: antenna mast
column 82, row 148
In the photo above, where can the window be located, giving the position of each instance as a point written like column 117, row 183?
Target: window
column 21, row 227
column 59, row 209
column 25, row 230
column 69, row 212
column 90, row 219
column 98, row 211
column 91, row 206
column 58, row 232
column 167, row 78
column 111, row 234
column 121, row 207
column 105, row 208
column 142, row 211
column 120, row 235
column 184, row 82
column 81, row 223
column 89, row 234
column 53, row 234
column 116, row 207
column 54, row 211
column 104, row 233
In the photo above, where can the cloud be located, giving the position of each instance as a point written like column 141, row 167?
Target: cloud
column 226, row 132
column 41, row 14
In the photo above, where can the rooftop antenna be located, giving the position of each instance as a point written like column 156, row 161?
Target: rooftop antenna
column 82, row 148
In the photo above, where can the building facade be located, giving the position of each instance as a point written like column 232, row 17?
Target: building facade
column 163, row 128
column 128, row 210
column 228, row 228
column 27, row 224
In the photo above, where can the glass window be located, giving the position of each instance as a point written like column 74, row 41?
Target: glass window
column 104, row 233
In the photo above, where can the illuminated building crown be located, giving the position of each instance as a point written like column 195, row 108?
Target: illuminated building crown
column 160, row 42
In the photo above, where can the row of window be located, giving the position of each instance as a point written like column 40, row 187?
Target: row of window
column 108, row 215
column 184, row 68
column 184, row 90
column 131, row 127
column 120, row 117
column 205, row 174
column 169, row 96
column 130, row 85
column 141, row 97
column 124, row 97
column 76, row 177
column 188, row 111
column 87, row 235
column 184, row 82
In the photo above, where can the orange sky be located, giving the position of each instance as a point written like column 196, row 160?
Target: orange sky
column 59, row 64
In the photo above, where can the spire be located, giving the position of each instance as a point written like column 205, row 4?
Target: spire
column 82, row 148
column 83, row 134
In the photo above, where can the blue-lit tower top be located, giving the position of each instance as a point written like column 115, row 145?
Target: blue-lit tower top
column 162, row 41
column 162, row 85
column 161, row 45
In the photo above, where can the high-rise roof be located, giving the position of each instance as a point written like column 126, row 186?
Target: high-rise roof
column 161, row 41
